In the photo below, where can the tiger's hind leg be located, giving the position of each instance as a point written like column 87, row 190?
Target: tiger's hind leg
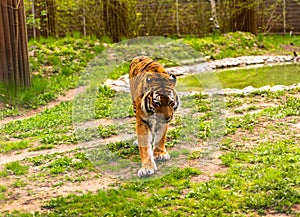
column 160, row 152
column 144, row 143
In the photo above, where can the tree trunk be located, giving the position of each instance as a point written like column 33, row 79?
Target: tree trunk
column 245, row 16
column 45, row 11
column 13, row 44
column 115, row 18
column 214, row 14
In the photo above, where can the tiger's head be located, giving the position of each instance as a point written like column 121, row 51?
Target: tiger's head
column 160, row 100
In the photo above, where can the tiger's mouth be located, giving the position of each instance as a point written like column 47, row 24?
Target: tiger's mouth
column 162, row 120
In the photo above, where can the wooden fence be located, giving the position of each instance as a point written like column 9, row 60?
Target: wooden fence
column 279, row 17
column 183, row 17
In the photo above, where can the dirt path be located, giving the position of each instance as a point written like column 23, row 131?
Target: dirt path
column 22, row 200
column 17, row 156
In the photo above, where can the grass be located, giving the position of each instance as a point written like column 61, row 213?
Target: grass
column 3, row 189
column 261, row 174
column 6, row 147
column 55, row 66
column 264, row 178
column 54, row 126
column 64, row 164
column 242, row 44
column 16, row 168
column 50, row 123
column 241, row 78
column 19, row 184
column 54, row 165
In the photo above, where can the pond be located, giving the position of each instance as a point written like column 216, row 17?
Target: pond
column 241, row 78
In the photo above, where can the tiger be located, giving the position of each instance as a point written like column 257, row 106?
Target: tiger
column 154, row 102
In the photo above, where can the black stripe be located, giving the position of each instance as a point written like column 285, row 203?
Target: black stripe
column 146, row 66
column 149, row 108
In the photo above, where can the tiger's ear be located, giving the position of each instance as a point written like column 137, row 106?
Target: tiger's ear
column 172, row 79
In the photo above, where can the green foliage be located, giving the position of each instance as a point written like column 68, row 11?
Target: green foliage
column 6, row 147
column 55, row 164
column 15, row 168
column 111, row 104
column 227, row 45
column 41, row 147
column 3, row 189
column 270, row 173
column 119, row 71
column 47, row 126
column 19, row 183
column 125, row 149
column 241, row 44
column 55, row 65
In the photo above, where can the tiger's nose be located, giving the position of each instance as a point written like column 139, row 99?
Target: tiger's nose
column 169, row 119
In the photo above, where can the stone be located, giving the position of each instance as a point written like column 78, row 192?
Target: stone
column 248, row 90
column 265, row 88
column 119, row 83
column 122, row 84
column 277, row 88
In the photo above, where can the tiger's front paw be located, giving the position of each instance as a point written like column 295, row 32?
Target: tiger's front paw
column 161, row 156
column 147, row 170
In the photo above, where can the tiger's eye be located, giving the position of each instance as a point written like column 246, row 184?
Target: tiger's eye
column 171, row 103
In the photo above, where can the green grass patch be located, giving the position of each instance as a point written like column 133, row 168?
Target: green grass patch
column 234, row 44
column 111, row 104
column 56, row 163
column 48, row 126
column 16, row 168
column 123, row 202
column 63, row 164
column 272, row 178
column 256, row 77
column 3, row 189
column 6, row 147
column 9, row 111
column 125, row 149
column 19, row 183
column 119, row 71
column 41, row 147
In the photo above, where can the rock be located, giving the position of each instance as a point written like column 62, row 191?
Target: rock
column 258, row 60
column 32, row 53
column 277, row 88
column 265, row 88
column 119, row 83
column 229, row 91
column 248, row 90
column 242, row 64
column 122, row 84
column 288, row 58
column 218, row 64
